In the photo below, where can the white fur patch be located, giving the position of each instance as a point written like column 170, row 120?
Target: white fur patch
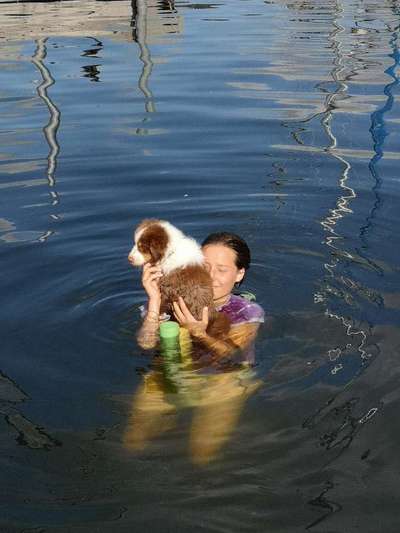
column 135, row 257
column 181, row 250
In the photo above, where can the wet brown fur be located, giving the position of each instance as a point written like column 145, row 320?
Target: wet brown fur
column 194, row 285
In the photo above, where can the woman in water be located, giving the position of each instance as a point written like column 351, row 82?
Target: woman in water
column 215, row 395
column 227, row 258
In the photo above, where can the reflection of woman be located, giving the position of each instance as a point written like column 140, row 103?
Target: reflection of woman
column 216, row 397
column 227, row 258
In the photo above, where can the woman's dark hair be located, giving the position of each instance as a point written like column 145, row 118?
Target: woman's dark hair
column 236, row 244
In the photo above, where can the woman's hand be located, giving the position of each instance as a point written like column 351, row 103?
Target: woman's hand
column 150, row 280
column 197, row 328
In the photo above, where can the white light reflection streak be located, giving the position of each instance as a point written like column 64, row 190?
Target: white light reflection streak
column 50, row 131
column 145, row 56
column 342, row 208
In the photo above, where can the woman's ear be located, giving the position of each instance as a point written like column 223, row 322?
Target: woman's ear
column 240, row 275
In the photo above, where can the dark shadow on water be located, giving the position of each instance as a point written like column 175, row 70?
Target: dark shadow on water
column 92, row 71
column 29, row 434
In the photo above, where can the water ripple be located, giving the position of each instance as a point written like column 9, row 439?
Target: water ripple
column 275, row 120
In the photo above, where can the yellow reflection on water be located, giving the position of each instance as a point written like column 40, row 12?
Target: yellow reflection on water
column 216, row 399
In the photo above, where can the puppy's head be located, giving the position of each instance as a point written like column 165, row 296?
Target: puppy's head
column 151, row 242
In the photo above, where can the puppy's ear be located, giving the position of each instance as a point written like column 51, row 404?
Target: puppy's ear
column 155, row 253
column 155, row 240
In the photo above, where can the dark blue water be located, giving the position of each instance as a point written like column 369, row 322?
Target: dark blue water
column 277, row 120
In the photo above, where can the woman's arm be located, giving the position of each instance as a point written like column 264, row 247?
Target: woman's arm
column 148, row 336
column 239, row 337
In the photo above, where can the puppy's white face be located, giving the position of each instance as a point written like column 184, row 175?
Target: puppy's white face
column 135, row 257
column 151, row 241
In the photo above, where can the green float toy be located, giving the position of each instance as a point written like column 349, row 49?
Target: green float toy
column 176, row 349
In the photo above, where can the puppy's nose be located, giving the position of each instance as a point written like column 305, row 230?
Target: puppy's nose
column 131, row 255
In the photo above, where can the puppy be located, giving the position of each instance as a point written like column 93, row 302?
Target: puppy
column 184, row 273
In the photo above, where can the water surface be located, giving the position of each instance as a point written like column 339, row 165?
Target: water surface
column 277, row 120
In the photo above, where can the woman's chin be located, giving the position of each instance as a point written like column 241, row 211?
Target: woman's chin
column 220, row 297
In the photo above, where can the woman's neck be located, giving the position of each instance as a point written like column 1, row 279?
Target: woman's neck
column 218, row 302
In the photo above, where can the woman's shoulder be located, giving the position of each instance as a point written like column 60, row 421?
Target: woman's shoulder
column 241, row 310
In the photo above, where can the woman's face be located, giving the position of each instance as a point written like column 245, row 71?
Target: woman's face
column 220, row 262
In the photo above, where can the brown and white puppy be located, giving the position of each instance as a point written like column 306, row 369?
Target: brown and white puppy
column 184, row 273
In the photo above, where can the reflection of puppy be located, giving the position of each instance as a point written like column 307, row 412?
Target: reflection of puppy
column 184, row 274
